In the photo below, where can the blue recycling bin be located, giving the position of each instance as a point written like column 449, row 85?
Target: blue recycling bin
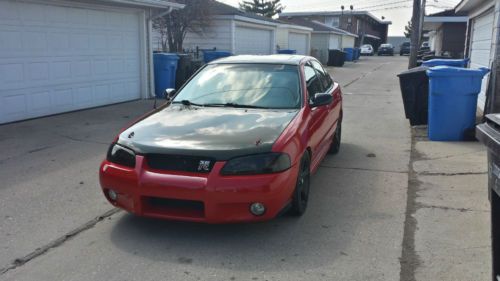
column 356, row 53
column 349, row 54
column 287, row 51
column 209, row 56
column 449, row 62
column 453, row 95
column 165, row 67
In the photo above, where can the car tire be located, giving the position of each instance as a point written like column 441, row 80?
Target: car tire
column 301, row 192
column 337, row 137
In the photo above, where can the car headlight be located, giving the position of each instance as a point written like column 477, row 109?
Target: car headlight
column 257, row 164
column 121, row 155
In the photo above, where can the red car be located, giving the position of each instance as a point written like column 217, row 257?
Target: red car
column 238, row 142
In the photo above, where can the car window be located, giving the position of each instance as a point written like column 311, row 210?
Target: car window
column 262, row 85
column 326, row 80
column 312, row 80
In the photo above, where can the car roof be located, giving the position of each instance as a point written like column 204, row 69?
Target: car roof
column 270, row 59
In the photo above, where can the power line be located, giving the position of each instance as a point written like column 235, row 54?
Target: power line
column 391, row 8
column 386, row 4
column 344, row 2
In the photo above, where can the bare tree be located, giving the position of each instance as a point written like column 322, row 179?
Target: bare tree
column 195, row 17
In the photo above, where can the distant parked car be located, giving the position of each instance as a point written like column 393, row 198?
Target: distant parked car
column 404, row 49
column 367, row 50
column 386, row 49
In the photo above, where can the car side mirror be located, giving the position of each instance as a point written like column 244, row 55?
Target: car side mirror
column 321, row 99
column 169, row 94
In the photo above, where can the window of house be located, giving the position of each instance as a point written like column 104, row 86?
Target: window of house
column 332, row 21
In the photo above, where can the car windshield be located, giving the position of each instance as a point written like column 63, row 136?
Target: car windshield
column 244, row 85
column 366, row 46
column 406, row 44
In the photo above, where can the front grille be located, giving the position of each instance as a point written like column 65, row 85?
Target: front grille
column 195, row 164
column 174, row 207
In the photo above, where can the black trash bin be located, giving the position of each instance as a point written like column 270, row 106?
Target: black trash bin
column 489, row 134
column 414, row 85
column 184, row 70
column 336, row 57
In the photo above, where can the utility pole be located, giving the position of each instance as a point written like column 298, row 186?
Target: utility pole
column 415, row 34
column 341, row 47
column 421, row 26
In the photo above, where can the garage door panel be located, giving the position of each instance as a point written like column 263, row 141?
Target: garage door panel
column 483, row 33
column 253, row 41
column 56, row 63
column 482, row 45
column 298, row 42
column 481, row 49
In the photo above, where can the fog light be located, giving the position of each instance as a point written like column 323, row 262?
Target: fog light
column 258, row 209
column 112, row 195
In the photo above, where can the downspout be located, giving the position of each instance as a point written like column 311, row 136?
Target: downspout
column 149, row 43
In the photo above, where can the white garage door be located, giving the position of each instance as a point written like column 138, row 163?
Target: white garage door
column 482, row 32
column 55, row 59
column 334, row 42
column 253, row 41
column 298, row 42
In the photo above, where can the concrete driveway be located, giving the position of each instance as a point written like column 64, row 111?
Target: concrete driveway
column 353, row 229
column 48, row 171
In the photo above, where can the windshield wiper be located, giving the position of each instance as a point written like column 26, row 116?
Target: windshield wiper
column 188, row 103
column 229, row 104
column 235, row 105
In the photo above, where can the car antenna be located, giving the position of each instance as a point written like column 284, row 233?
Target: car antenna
column 154, row 105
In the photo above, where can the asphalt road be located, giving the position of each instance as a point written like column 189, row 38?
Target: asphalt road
column 56, row 225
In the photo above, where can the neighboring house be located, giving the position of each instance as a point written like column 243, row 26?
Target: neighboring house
column 396, row 41
column 235, row 31
column 446, row 32
column 324, row 38
column 368, row 28
column 59, row 56
column 482, row 42
column 294, row 37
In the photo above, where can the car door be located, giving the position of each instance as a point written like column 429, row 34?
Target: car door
column 333, row 110
column 316, row 127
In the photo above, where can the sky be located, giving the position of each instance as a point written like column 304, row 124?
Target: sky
column 397, row 11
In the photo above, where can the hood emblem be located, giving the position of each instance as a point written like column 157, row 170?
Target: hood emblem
column 204, row 166
column 131, row 135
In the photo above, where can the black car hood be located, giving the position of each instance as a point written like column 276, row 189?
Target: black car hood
column 218, row 132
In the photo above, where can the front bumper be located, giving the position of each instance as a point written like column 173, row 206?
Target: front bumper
column 209, row 198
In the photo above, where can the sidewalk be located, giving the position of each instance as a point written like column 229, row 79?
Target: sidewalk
column 449, row 209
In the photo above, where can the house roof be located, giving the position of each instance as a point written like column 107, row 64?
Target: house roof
column 468, row 5
column 148, row 3
column 222, row 9
column 434, row 21
column 317, row 27
column 336, row 13
column 447, row 13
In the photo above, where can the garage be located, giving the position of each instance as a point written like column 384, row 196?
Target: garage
column 63, row 56
column 299, row 42
column 253, row 41
column 480, row 51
